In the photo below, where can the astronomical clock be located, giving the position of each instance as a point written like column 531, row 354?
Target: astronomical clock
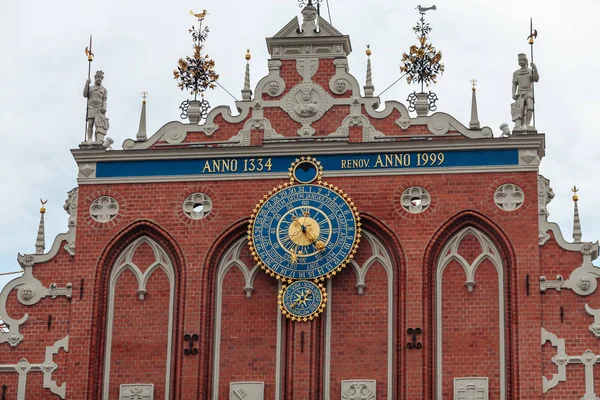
column 303, row 232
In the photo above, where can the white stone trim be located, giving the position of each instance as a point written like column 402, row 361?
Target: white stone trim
column 123, row 263
column 231, row 259
column 448, row 254
column 381, row 255
column 23, row 368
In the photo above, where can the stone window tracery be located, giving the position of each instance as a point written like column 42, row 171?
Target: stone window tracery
column 104, row 209
column 509, row 197
column 197, row 206
column 415, row 199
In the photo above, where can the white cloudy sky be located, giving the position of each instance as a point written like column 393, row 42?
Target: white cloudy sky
column 137, row 44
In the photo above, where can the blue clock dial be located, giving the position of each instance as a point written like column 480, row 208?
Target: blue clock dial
column 304, row 231
column 302, row 300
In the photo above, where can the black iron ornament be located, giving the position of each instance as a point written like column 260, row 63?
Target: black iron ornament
column 315, row 3
column 562, row 314
column 527, row 284
column 414, row 344
column 185, row 106
column 191, row 350
column 4, row 389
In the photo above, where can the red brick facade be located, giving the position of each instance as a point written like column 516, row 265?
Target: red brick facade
column 202, row 288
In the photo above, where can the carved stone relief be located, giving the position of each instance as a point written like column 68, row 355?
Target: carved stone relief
column 136, row 392
column 595, row 326
column 247, row 390
column 546, row 284
column 471, row 389
column 104, row 209
column 70, row 207
column 307, row 67
column 257, row 122
column 358, row 390
column 306, row 103
column 545, row 195
column 509, row 197
column 272, row 84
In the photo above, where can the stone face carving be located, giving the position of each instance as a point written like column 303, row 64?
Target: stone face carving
column 340, row 86
column 136, row 392
column 358, row 390
column 273, row 88
column 471, row 389
column 104, row 209
column 307, row 103
column 415, row 199
column 509, row 197
column 197, row 205
column 26, row 292
column 246, row 390
column 96, row 108
column 522, row 93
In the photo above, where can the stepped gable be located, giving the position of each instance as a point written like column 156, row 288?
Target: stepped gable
column 308, row 91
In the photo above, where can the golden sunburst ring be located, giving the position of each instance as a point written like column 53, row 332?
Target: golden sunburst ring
column 302, row 301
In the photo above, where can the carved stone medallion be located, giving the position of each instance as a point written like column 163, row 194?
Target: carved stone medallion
column 307, row 103
column 358, row 390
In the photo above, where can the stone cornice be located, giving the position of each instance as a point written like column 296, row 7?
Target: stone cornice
column 314, row 147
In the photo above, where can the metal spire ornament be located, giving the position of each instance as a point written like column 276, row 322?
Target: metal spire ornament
column 422, row 65
column 196, row 74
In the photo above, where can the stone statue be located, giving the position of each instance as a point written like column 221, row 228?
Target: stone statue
column 522, row 93
column 96, row 108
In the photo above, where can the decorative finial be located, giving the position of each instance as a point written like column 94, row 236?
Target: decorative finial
column 196, row 74
column 474, row 123
column 141, row 135
column 576, row 221
column 422, row 65
column 246, row 92
column 423, row 10
column 199, row 16
column 369, row 88
column 88, row 51
column 40, row 243
column 474, row 84
column 43, row 209
column 575, row 190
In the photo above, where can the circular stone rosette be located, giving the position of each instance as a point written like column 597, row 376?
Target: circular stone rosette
column 304, row 231
column 302, row 301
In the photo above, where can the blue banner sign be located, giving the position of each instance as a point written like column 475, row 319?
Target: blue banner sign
column 281, row 164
